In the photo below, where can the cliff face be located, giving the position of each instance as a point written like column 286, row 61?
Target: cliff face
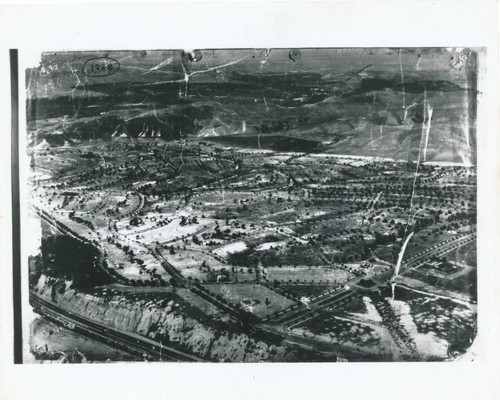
column 165, row 322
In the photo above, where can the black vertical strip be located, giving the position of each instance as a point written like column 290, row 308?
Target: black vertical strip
column 16, row 217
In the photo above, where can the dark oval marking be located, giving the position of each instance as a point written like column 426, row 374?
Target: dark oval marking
column 100, row 66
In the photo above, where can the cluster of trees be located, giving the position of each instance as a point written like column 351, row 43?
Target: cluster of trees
column 188, row 220
column 85, row 222
column 155, row 278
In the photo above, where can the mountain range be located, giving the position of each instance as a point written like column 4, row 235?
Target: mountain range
column 392, row 103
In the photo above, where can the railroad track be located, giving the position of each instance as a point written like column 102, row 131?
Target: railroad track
column 129, row 342
column 332, row 300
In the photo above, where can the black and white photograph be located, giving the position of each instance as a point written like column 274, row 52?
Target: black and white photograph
column 253, row 205
column 235, row 200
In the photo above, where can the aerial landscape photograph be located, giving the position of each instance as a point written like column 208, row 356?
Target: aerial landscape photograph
column 252, row 205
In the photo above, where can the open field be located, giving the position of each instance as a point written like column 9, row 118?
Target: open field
column 255, row 234
column 257, row 299
column 256, row 205
column 306, row 274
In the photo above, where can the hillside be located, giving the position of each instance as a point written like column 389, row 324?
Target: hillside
column 375, row 103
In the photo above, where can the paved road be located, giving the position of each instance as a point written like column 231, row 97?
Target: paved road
column 330, row 301
column 437, row 250
column 129, row 342
column 342, row 296
column 139, row 345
